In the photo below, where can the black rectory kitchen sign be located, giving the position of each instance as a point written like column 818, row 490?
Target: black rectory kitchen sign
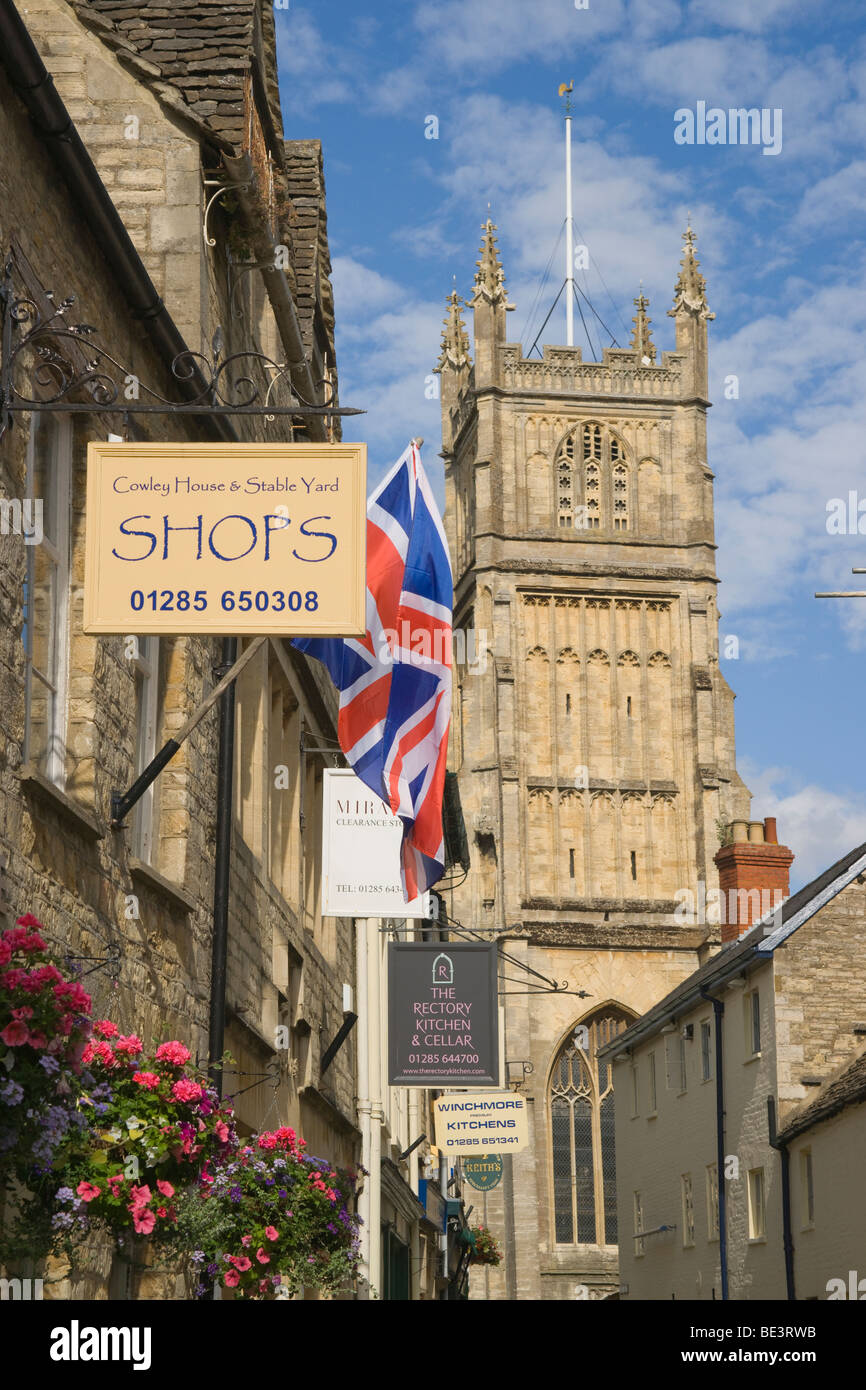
column 443, row 1015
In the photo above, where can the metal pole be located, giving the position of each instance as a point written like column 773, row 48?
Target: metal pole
column 569, row 237
column 222, row 869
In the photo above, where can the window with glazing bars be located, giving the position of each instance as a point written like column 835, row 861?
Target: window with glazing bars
column 582, row 1136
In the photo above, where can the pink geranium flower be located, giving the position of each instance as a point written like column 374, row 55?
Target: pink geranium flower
column 262, row 1258
column 222, row 1131
column 24, row 1012
column 186, row 1090
column 246, row 1240
column 15, row 1034
column 165, row 1188
column 130, row 1046
column 241, row 1262
column 173, row 1052
column 105, row 1028
column 272, row 1233
column 139, row 1196
column 28, row 920
column 231, row 1278
column 147, row 1078
column 87, row 1191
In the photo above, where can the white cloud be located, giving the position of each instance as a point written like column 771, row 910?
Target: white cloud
column 747, row 15
column 817, row 824
column 488, row 35
column 387, row 346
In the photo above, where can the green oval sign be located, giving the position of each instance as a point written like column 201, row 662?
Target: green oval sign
column 482, row 1171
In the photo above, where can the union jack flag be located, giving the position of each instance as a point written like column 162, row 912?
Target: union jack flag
column 395, row 682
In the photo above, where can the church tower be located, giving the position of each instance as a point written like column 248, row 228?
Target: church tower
column 595, row 740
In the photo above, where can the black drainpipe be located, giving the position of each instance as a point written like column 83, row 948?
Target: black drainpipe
column 718, row 1011
column 788, row 1239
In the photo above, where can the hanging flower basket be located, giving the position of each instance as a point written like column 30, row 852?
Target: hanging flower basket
column 271, row 1220
column 485, row 1250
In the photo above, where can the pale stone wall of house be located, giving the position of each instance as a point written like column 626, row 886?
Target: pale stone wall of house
column 811, row 996
column 832, row 1246
column 819, row 996
column 147, row 157
column 654, row 1152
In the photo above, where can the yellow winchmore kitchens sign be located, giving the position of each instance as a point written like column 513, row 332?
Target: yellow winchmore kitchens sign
column 226, row 538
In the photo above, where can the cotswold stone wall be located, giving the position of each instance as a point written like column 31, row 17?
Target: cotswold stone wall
column 64, row 863
column 820, row 996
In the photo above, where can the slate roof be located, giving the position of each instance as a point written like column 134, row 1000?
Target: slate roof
column 754, row 946
column 202, row 49
column 311, row 259
column 847, row 1087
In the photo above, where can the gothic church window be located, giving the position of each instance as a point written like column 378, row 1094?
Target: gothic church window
column 582, row 1133
column 591, row 460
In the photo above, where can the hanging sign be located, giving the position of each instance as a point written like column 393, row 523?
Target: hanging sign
column 240, row 539
column 483, row 1173
column 361, row 840
column 480, row 1122
column 443, row 1016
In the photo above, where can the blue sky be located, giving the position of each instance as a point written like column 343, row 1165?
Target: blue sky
column 781, row 242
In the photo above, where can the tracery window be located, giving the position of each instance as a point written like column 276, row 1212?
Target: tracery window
column 591, row 460
column 582, row 1133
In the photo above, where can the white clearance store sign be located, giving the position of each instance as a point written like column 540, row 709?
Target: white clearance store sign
column 361, row 840
column 479, row 1122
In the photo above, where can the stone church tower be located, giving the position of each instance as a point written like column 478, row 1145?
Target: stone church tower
column 595, row 745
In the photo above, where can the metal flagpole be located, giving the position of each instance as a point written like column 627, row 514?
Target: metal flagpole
column 566, row 90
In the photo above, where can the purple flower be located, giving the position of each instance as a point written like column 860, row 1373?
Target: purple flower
column 197, row 1256
column 50, row 1064
column 11, row 1092
column 235, row 1194
column 213, row 1269
column 64, row 1194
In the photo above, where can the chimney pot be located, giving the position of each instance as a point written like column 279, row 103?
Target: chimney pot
column 753, row 875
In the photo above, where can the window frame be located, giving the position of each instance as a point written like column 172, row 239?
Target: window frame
column 146, row 666
column 652, row 1087
column 706, row 1051
column 687, row 1198
column 603, row 1024
column 807, row 1190
column 757, row 1205
column 58, row 549
column 752, row 1023
column 712, row 1189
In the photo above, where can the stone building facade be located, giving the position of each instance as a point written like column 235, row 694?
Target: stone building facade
column 748, row 1078
column 173, row 106
column 595, row 746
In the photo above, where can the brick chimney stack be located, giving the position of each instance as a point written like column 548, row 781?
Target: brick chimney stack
column 753, row 874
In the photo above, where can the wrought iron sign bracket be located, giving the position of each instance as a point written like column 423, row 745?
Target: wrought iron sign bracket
column 51, row 364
